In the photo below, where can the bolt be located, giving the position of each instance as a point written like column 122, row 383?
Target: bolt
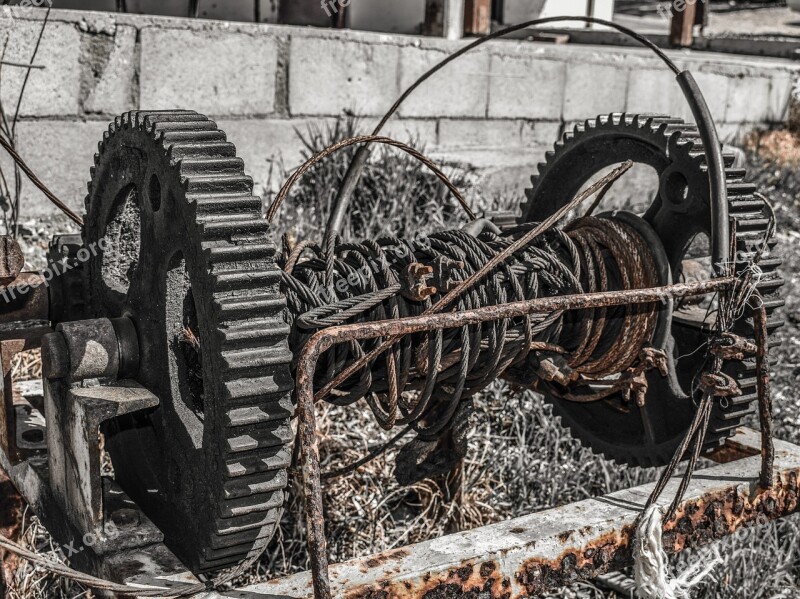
column 125, row 518
column 416, row 285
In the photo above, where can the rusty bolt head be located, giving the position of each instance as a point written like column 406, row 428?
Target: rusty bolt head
column 416, row 285
column 720, row 385
column 732, row 347
column 549, row 370
column 655, row 358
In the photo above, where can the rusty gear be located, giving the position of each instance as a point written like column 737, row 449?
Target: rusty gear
column 189, row 259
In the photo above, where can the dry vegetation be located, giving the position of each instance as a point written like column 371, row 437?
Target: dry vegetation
column 521, row 459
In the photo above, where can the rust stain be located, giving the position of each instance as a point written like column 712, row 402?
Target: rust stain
column 609, row 552
column 701, row 522
column 482, row 579
column 379, row 560
column 696, row 523
column 566, row 536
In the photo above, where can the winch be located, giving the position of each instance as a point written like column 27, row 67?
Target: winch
column 183, row 330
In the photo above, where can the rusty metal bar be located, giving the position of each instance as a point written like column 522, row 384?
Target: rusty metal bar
column 541, row 552
column 764, row 396
column 327, row 338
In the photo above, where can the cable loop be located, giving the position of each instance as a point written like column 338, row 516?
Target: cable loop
column 421, row 381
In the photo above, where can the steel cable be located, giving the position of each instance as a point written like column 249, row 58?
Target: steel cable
column 421, row 380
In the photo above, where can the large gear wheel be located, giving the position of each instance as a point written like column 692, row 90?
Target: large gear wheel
column 680, row 216
column 188, row 259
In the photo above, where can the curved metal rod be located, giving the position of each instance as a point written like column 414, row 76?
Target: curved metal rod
column 354, row 171
column 276, row 203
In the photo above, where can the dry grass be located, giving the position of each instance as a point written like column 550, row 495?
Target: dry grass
column 780, row 147
column 396, row 194
column 27, row 365
column 34, row 582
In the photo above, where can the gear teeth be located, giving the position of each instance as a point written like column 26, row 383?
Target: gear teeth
column 183, row 126
column 237, row 230
column 219, row 149
column 173, row 137
column 248, row 485
column 245, row 465
column 238, row 362
column 254, row 381
column 228, row 253
column 253, row 390
column 238, row 307
column 267, row 502
column 258, row 414
column 219, row 184
column 254, row 334
column 269, row 434
column 209, row 204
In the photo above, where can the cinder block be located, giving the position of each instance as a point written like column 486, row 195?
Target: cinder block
column 734, row 133
column 594, row 89
column 421, row 133
column 109, row 71
column 655, row 92
column 211, row 71
column 541, row 134
column 459, row 90
column 61, row 154
column 780, row 96
column 715, row 88
column 331, row 75
column 749, row 100
column 526, row 86
column 460, row 133
column 52, row 90
column 271, row 148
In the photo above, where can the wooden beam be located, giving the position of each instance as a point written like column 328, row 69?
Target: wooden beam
column 683, row 21
column 478, row 17
column 541, row 552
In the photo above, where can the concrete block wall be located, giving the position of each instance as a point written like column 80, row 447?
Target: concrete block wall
column 497, row 110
